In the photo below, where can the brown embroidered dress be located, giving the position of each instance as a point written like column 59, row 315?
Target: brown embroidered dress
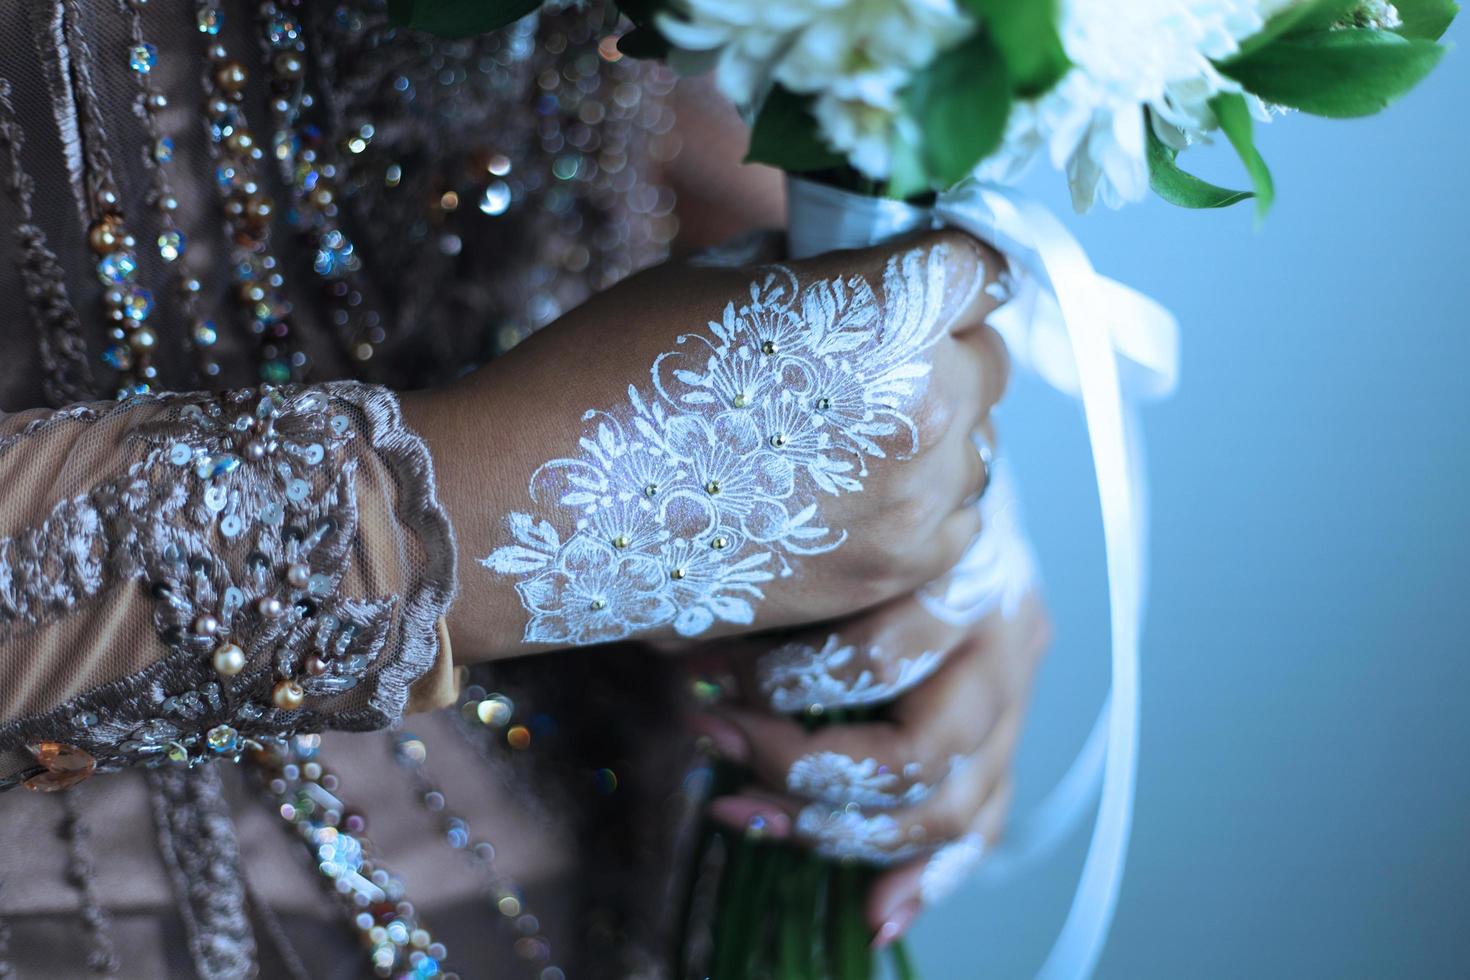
column 236, row 228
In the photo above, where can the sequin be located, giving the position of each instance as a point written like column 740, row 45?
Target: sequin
column 223, row 740
column 496, row 198
column 142, row 58
column 215, row 498
column 171, row 245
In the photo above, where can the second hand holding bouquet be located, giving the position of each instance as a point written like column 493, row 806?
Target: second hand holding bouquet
column 900, row 114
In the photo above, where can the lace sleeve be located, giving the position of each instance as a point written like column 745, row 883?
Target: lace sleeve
column 184, row 575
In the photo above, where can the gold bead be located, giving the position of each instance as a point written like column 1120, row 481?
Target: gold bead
column 651, row 490
column 720, row 543
column 103, row 235
column 769, row 347
column 231, row 76
column 599, row 604
column 823, row 404
column 240, row 141
column 316, row 666
column 676, row 574
column 740, row 401
column 621, row 541
column 712, row 487
column 229, row 660
column 287, row 695
column 778, row 440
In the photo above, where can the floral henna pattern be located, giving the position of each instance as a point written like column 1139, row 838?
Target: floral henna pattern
column 706, row 485
column 850, row 834
column 797, row 677
column 836, row 778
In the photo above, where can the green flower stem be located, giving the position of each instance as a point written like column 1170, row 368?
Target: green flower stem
column 727, row 956
column 898, row 958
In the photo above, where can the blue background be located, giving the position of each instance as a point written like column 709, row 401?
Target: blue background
column 1304, row 787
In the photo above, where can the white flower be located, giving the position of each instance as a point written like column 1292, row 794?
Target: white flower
column 1153, row 54
column 854, row 56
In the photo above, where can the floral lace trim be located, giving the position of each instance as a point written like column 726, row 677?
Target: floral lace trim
column 239, row 520
column 705, row 485
column 796, row 677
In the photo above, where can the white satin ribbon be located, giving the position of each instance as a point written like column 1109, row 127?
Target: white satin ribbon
column 1110, row 346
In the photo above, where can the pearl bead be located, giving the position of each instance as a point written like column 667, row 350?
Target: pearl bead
column 316, row 666
column 621, row 541
column 712, row 487
column 231, row 76
column 720, row 543
column 229, row 660
column 270, row 607
column 677, row 574
column 769, row 347
column 103, row 236
column 206, row 625
column 254, row 451
column 298, row 575
column 287, row 695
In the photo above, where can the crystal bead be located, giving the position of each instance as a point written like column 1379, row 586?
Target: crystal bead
column 163, row 150
column 142, row 58
column 119, row 357
column 138, row 304
column 275, row 371
column 171, row 245
column 210, row 21
column 177, row 752
column 282, row 30
column 216, row 464
column 205, row 333
column 65, row 765
column 116, row 268
column 319, row 584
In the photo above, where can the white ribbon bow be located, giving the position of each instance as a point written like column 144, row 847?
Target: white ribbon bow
column 1097, row 340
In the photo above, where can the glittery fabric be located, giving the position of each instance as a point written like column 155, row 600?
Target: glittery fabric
column 210, row 196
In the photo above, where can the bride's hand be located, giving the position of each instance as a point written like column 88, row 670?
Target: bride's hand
column 925, row 786
column 705, row 451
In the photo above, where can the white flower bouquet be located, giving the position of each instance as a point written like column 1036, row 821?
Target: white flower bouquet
column 915, row 101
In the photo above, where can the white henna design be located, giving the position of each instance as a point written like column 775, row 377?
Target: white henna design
column 836, row 778
column 850, row 833
column 706, row 484
column 796, row 676
column 949, row 867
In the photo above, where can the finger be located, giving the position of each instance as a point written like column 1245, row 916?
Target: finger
column 882, row 763
column 874, row 658
column 899, row 895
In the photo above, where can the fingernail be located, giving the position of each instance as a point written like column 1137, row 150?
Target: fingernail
column 752, row 816
column 897, row 923
column 727, row 741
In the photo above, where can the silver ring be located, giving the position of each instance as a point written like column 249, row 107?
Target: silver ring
column 987, row 461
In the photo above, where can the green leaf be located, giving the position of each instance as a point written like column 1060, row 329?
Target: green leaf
column 1180, row 188
column 1426, row 20
column 1312, row 15
column 961, row 102
column 1340, row 74
column 1235, row 121
column 458, row 18
column 785, row 136
column 1025, row 34
column 907, row 175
